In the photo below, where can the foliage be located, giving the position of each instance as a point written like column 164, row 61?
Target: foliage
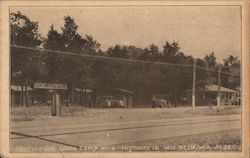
column 24, row 32
column 210, row 61
column 144, row 79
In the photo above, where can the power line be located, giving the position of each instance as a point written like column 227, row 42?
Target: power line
column 212, row 70
column 37, row 50
column 99, row 57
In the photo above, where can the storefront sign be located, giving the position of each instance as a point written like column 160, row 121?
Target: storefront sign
column 50, row 86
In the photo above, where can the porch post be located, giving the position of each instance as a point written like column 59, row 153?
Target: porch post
column 219, row 84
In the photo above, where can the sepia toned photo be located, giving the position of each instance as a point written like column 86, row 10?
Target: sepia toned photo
column 126, row 79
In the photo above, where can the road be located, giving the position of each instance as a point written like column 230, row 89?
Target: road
column 53, row 136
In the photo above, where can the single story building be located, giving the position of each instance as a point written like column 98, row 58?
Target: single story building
column 123, row 96
column 17, row 94
column 40, row 94
column 35, row 94
column 209, row 93
column 127, row 96
column 81, row 96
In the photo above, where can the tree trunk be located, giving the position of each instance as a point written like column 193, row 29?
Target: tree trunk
column 72, row 95
column 93, row 98
column 175, row 101
column 81, row 96
column 67, row 100
column 27, row 101
column 85, row 97
column 21, row 96
column 13, row 96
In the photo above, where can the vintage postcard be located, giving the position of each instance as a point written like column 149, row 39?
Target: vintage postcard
column 124, row 79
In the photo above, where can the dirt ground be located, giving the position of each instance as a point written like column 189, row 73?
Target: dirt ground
column 215, row 141
column 75, row 119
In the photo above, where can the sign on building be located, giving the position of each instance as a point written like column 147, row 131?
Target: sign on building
column 50, row 86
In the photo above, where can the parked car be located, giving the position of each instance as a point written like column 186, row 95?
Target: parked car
column 159, row 101
column 111, row 102
column 116, row 103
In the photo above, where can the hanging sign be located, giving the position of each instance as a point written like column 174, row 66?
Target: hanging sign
column 50, row 86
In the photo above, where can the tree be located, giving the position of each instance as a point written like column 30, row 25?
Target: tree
column 203, row 77
column 151, row 53
column 128, row 52
column 75, row 42
column 91, row 46
column 133, row 52
column 231, row 61
column 117, row 51
column 210, row 61
column 231, row 65
column 72, row 41
column 170, row 51
column 24, row 32
column 77, row 69
column 54, row 40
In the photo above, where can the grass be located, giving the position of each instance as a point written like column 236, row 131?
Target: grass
column 44, row 112
column 30, row 113
column 127, row 114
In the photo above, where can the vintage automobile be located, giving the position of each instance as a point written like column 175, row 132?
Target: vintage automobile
column 111, row 102
column 116, row 103
column 159, row 101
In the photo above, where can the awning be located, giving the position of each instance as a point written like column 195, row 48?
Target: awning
column 80, row 90
column 124, row 90
column 19, row 88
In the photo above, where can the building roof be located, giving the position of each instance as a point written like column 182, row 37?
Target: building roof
column 124, row 90
column 215, row 88
column 19, row 88
column 80, row 90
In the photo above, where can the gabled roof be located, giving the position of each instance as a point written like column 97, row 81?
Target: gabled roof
column 215, row 88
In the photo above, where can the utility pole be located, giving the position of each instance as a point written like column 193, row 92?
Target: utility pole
column 219, row 85
column 194, row 80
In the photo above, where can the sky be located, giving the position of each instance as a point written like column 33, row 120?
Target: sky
column 199, row 30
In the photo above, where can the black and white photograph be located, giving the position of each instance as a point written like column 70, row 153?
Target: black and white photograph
column 126, row 79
